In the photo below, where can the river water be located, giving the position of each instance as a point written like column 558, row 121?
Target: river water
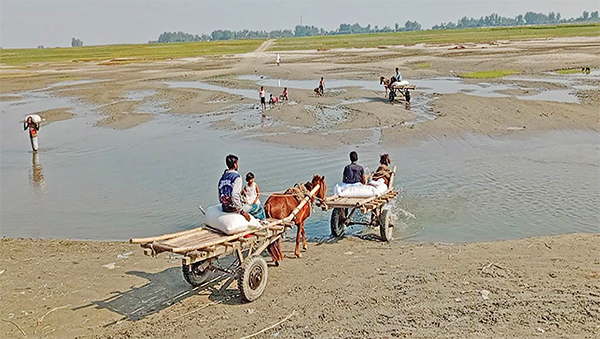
column 102, row 184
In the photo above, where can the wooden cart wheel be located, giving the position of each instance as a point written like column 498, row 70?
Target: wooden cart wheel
column 392, row 94
column 198, row 273
column 385, row 225
column 338, row 222
column 407, row 96
column 252, row 279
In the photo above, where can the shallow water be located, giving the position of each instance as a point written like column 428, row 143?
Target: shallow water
column 441, row 85
column 97, row 183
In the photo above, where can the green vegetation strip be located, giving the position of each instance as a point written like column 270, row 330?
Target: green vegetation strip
column 423, row 65
column 487, row 74
column 435, row 37
column 568, row 71
column 127, row 53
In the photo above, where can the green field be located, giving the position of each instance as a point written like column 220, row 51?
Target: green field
column 435, row 37
column 488, row 74
column 145, row 52
column 569, row 71
column 135, row 53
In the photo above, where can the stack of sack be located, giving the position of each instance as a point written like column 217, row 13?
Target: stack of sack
column 399, row 84
column 228, row 223
column 374, row 188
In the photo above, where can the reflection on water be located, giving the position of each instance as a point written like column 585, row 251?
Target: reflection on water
column 36, row 175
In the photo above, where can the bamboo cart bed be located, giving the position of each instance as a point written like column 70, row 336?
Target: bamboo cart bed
column 201, row 245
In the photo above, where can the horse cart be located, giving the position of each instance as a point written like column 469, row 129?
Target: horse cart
column 377, row 206
column 202, row 247
column 402, row 88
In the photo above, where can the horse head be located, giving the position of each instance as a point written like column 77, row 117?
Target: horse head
column 322, row 191
column 381, row 80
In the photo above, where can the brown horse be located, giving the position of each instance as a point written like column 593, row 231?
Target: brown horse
column 279, row 206
column 386, row 83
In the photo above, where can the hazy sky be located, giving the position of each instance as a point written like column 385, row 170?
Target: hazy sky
column 27, row 23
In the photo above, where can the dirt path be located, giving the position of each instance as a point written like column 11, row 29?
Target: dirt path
column 547, row 287
column 264, row 46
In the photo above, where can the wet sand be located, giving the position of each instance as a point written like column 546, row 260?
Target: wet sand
column 353, row 288
column 290, row 124
column 57, row 114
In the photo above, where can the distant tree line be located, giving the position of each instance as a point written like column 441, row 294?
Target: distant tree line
column 529, row 18
column 76, row 42
column 299, row 31
column 491, row 20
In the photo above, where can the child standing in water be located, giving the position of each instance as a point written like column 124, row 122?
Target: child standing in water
column 252, row 194
column 263, row 101
column 33, row 130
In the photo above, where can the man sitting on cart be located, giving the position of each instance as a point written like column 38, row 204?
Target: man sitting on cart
column 354, row 173
column 230, row 189
column 397, row 77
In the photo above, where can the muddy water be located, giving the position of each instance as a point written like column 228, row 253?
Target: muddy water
column 96, row 183
column 449, row 85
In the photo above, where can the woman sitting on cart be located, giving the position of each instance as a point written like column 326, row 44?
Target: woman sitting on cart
column 252, row 194
column 383, row 171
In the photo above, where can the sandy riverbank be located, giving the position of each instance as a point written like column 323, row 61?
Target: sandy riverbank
column 112, row 85
column 547, row 287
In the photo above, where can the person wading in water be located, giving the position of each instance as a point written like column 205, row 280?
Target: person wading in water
column 34, row 127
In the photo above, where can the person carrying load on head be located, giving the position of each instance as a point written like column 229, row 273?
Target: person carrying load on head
column 34, row 127
column 383, row 171
column 230, row 188
column 252, row 195
column 354, row 173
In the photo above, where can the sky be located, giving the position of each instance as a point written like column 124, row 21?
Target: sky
column 52, row 23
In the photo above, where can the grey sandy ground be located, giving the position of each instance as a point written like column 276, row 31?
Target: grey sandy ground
column 354, row 288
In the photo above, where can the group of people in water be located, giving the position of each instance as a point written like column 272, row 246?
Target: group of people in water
column 234, row 197
column 273, row 100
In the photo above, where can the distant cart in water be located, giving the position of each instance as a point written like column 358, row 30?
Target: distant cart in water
column 397, row 88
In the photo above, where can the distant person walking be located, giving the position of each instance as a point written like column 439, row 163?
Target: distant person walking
column 263, row 100
column 278, row 59
column 321, row 86
column 33, row 123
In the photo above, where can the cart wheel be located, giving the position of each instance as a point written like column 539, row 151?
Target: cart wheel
column 407, row 96
column 338, row 222
column 252, row 279
column 385, row 225
column 392, row 95
column 198, row 273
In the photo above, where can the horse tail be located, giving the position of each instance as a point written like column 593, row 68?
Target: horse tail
column 275, row 251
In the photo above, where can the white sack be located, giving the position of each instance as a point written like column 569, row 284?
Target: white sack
column 228, row 223
column 400, row 84
column 358, row 190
